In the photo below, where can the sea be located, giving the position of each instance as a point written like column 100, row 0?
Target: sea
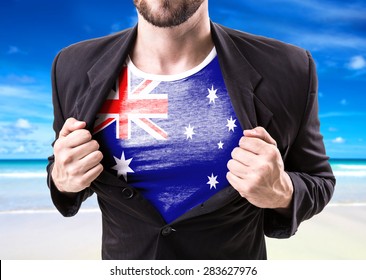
column 23, row 186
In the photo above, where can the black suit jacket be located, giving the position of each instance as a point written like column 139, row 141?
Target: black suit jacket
column 270, row 84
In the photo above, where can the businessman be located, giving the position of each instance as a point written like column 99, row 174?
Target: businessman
column 197, row 139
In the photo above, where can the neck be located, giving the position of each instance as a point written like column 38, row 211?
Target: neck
column 173, row 50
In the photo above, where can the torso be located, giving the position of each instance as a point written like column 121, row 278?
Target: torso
column 171, row 136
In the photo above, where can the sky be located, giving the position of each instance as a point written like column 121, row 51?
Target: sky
column 33, row 31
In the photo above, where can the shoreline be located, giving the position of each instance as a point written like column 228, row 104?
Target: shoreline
column 337, row 233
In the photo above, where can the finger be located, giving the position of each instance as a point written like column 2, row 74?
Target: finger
column 236, row 183
column 254, row 145
column 243, row 156
column 237, row 168
column 84, row 179
column 261, row 133
column 83, row 150
column 90, row 161
column 77, row 138
column 70, row 125
column 92, row 174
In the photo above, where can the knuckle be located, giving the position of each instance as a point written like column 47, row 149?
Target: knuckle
column 264, row 167
column 235, row 153
column 260, row 129
column 273, row 152
column 85, row 134
column 73, row 171
column 57, row 147
column 99, row 155
column 68, row 123
column 100, row 168
column 230, row 164
column 64, row 158
column 95, row 145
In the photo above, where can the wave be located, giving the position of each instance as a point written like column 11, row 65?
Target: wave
column 350, row 167
column 44, row 211
column 356, row 173
column 23, row 175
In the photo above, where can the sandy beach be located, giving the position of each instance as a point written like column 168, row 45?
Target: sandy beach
column 339, row 232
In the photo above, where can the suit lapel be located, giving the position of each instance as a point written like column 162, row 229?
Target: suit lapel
column 241, row 80
column 102, row 75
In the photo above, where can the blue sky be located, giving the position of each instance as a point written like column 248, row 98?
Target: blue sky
column 32, row 32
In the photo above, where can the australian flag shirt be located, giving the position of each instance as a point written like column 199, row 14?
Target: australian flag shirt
column 169, row 136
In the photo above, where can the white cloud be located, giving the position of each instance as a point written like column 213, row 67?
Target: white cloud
column 19, row 92
column 339, row 140
column 18, row 141
column 20, row 149
column 18, row 79
column 25, row 101
column 357, row 62
column 318, row 41
column 23, row 124
column 14, row 50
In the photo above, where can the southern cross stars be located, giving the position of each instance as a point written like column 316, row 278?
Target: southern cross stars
column 231, row 124
column 212, row 181
column 220, row 145
column 212, row 94
column 122, row 166
column 189, row 131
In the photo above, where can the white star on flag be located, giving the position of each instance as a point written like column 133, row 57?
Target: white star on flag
column 231, row 124
column 212, row 94
column 221, row 145
column 122, row 166
column 189, row 131
column 212, row 181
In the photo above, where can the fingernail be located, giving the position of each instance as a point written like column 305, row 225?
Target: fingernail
column 78, row 123
column 249, row 132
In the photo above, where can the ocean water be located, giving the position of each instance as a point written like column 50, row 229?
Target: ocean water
column 23, row 185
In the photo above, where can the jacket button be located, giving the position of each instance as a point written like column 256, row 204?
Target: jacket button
column 166, row 231
column 127, row 193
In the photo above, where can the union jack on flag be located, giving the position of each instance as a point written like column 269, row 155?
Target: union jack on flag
column 127, row 104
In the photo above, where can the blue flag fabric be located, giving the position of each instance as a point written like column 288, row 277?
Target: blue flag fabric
column 171, row 136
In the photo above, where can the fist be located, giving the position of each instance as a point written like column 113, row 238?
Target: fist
column 77, row 158
column 256, row 171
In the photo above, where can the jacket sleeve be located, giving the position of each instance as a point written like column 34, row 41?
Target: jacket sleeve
column 65, row 205
column 308, row 168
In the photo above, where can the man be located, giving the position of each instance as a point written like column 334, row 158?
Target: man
column 151, row 119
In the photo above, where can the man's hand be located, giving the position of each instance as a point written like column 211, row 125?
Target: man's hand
column 77, row 159
column 256, row 171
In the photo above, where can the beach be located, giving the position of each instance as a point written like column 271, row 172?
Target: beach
column 31, row 229
column 338, row 233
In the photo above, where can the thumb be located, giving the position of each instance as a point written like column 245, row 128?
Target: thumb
column 261, row 133
column 70, row 125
